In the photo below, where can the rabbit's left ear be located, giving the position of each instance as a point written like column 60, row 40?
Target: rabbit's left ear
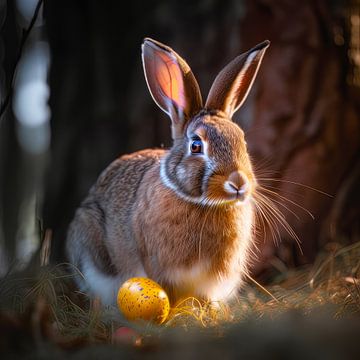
column 233, row 83
column 171, row 83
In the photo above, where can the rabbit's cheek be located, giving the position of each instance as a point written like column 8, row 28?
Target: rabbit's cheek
column 181, row 172
column 190, row 175
column 192, row 182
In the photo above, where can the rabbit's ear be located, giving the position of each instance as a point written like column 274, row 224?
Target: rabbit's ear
column 234, row 82
column 171, row 83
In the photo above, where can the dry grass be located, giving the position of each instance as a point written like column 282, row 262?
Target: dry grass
column 334, row 280
column 47, row 303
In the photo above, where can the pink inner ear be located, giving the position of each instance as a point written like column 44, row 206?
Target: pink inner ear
column 169, row 77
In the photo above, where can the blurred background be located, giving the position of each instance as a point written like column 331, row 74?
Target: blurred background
column 79, row 99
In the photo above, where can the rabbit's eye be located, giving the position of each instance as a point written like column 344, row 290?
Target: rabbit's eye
column 196, row 146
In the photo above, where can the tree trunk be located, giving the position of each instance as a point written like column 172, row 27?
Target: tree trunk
column 306, row 123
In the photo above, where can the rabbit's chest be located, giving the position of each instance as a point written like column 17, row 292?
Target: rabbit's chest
column 182, row 235
column 187, row 244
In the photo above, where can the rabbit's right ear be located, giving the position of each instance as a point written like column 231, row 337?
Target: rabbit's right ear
column 171, row 83
column 232, row 85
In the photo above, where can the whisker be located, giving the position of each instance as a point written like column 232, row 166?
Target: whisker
column 261, row 219
column 289, row 192
column 261, row 168
column 288, row 200
column 279, row 216
column 285, row 207
column 273, row 221
column 298, row 184
column 272, row 225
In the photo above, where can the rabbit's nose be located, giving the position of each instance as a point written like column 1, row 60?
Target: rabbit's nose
column 237, row 181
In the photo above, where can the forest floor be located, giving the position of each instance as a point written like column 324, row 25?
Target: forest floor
column 304, row 313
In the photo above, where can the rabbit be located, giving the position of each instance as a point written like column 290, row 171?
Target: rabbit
column 183, row 217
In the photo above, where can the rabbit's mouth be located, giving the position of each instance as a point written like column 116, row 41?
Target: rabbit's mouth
column 239, row 195
column 238, row 192
column 226, row 198
column 234, row 188
column 236, row 195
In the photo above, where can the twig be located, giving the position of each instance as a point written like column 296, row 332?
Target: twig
column 262, row 288
column 25, row 36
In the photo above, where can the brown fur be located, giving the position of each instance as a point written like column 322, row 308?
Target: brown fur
column 175, row 227
column 172, row 215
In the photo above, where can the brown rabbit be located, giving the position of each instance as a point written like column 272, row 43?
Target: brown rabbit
column 183, row 217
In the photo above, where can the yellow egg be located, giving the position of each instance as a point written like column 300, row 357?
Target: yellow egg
column 143, row 299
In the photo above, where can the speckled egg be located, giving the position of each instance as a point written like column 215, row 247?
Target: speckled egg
column 143, row 299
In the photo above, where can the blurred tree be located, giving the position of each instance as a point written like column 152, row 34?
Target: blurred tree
column 306, row 120
column 23, row 145
column 10, row 157
column 302, row 116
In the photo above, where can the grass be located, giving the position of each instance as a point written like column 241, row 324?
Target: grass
column 46, row 306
